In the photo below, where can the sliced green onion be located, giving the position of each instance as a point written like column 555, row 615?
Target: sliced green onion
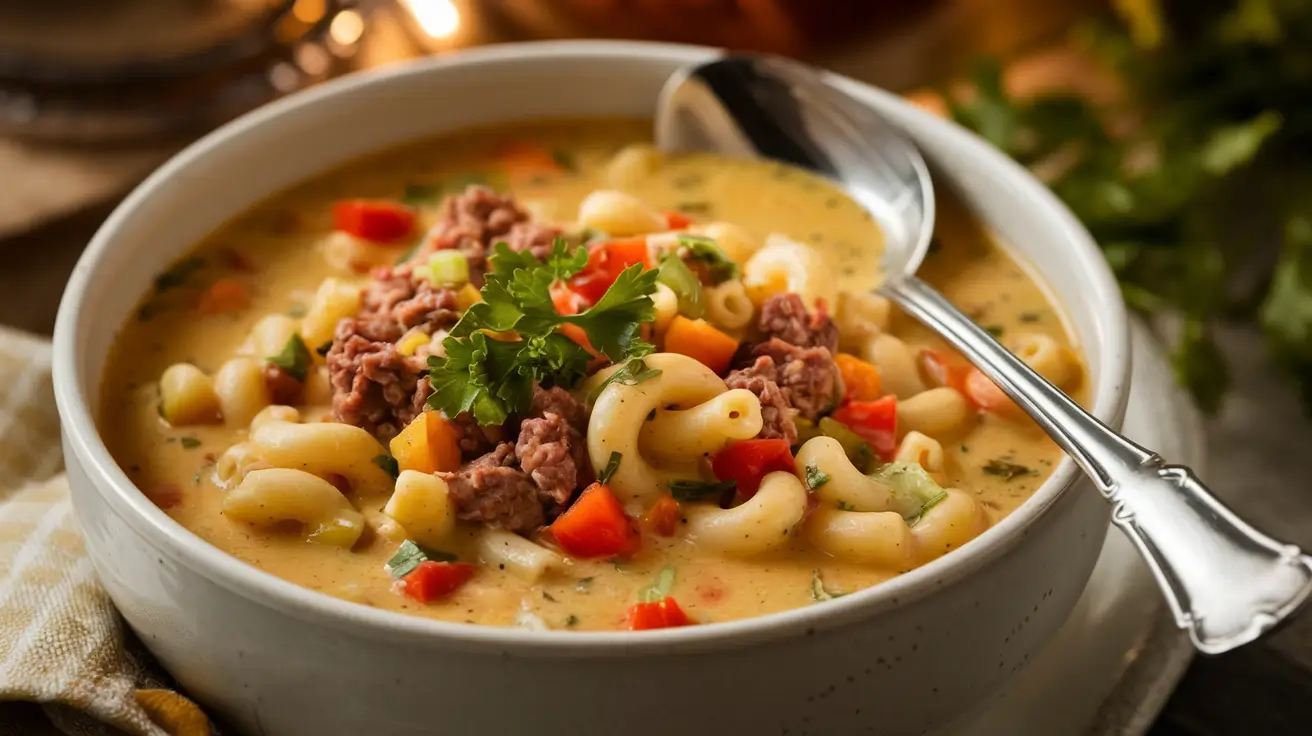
column 674, row 273
column 448, row 267
column 659, row 589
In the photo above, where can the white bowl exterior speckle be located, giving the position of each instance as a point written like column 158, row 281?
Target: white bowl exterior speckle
column 274, row 658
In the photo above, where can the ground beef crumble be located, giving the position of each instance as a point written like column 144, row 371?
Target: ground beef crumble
column 792, row 369
column 473, row 221
column 784, row 316
column 777, row 414
column 493, row 491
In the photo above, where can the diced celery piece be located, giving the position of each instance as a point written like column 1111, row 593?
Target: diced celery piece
column 448, row 267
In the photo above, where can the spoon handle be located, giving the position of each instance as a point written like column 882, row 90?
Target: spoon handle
column 1226, row 582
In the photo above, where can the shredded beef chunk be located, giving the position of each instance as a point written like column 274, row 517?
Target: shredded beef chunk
column 777, row 414
column 493, row 491
column 784, row 316
column 809, row 376
column 375, row 387
column 471, row 222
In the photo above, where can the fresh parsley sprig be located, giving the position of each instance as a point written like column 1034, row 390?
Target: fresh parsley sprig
column 510, row 339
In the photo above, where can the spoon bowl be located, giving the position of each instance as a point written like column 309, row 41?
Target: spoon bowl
column 1225, row 582
column 766, row 107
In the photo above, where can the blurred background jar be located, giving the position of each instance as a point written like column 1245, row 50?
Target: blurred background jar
column 899, row 44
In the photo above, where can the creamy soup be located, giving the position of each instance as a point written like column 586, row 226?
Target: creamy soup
column 668, row 399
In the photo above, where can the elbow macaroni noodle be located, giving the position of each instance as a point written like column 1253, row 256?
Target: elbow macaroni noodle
column 728, row 306
column 270, row 496
column 847, row 485
column 896, row 363
column 763, row 523
column 620, row 414
column 786, row 265
column 936, row 411
column 334, row 301
column 675, row 435
column 523, row 557
column 883, row 538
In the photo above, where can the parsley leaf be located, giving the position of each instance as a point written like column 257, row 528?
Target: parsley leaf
column 1287, row 311
column 409, row 555
column 633, row 373
column 294, row 358
column 492, row 377
column 615, row 321
column 1005, row 469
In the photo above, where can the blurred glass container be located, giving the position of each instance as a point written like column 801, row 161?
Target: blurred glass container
column 97, row 71
column 897, row 44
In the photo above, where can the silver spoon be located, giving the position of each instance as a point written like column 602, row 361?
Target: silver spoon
column 1226, row 582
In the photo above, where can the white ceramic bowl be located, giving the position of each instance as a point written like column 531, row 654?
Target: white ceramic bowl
column 275, row 658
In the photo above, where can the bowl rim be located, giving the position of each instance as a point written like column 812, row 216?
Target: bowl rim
column 88, row 451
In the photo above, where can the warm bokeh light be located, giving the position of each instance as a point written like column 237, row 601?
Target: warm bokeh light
column 309, row 11
column 347, row 27
column 437, row 18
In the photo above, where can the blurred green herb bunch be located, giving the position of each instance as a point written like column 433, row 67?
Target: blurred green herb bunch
column 1197, row 183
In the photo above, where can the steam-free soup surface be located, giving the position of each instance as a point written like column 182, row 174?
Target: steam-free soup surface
column 273, row 259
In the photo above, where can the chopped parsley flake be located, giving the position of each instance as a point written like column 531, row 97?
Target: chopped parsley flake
column 694, row 490
column 388, row 464
column 815, row 477
column 294, row 359
column 409, row 555
column 1005, row 469
column 612, row 465
column 818, row 591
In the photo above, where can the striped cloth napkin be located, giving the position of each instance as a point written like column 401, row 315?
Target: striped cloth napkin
column 68, row 665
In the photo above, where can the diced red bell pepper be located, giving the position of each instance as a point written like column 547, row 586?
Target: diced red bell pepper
column 662, row 614
column 749, row 461
column 565, row 300
column 605, row 263
column 942, row 370
column 677, row 220
column 376, row 220
column 875, row 421
column 431, row 580
column 596, row 526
